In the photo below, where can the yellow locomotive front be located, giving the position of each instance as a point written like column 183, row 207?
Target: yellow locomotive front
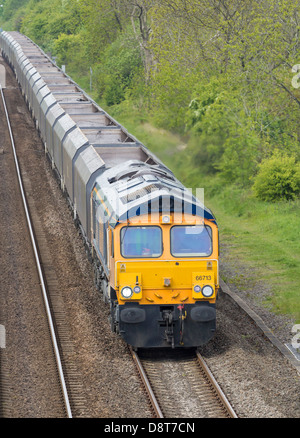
column 166, row 280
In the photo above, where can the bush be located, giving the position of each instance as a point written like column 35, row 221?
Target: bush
column 70, row 50
column 278, row 178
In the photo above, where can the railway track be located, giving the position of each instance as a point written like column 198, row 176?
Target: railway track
column 40, row 271
column 180, row 385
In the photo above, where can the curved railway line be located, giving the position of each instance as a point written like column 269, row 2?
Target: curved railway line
column 202, row 397
column 43, row 283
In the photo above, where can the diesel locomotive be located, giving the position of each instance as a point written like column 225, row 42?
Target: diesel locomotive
column 153, row 244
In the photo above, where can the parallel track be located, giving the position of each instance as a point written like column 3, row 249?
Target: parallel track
column 180, row 384
column 39, row 268
column 213, row 384
column 154, row 403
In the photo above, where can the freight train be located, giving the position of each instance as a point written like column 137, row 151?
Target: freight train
column 153, row 244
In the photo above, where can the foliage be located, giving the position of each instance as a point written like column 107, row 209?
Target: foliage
column 216, row 71
column 70, row 51
column 278, row 178
column 120, row 64
column 224, row 135
column 45, row 21
column 10, row 7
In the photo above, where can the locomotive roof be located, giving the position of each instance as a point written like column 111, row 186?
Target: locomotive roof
column 135, row 188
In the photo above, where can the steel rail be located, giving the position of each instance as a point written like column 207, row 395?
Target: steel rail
column 146, row 382
column 216, row 386
column 39, row 268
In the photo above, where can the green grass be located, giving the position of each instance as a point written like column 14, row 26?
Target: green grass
column 267, row 238
column 262, row 236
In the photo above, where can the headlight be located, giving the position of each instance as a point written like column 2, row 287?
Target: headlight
column 166, row 219
column 207, row 291
column 137, row 289
column 197, row 288
column 126, row 292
